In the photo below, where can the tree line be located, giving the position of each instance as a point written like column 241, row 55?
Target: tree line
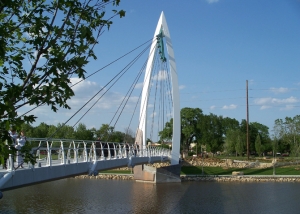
column 105, row 132
column 226, row 134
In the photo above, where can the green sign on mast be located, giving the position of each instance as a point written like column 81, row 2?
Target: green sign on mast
column 160, row 45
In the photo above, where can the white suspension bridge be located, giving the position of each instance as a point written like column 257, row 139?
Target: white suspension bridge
column 62, row 158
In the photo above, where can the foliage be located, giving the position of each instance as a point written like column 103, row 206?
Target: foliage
column 234, row 142
column 211, row 130
column 197, row 170
column 118, row 137
column 189, row 125
column 258, row 146
column 167, row 133
column 83, row 133
column 105, row 132
column 129, row 135
column 240, row 145
column 43, row 43
column 287, row 133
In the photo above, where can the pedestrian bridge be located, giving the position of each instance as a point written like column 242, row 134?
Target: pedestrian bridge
column 57, row 159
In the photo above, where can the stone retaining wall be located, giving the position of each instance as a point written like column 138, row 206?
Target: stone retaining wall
column 229, row 163
column 106, row 177
column 202, row 178
column 240, row 179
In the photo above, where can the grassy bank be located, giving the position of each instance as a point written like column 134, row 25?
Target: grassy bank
column 193, row 170
column 197, row 170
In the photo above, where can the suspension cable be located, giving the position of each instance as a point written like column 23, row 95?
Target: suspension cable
column 94, row 73
column 114, row 84
column 119, row 74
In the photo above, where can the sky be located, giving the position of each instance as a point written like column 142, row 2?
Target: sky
column 218, row 46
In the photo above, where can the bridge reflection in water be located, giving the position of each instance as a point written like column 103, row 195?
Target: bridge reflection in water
column 57, row 159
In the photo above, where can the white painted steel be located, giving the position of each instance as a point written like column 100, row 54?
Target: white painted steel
column 52, row 162
column 162, row 24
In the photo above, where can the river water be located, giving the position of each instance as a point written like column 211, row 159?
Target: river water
column 126, row 196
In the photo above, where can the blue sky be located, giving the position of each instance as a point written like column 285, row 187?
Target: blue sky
column 218, row 45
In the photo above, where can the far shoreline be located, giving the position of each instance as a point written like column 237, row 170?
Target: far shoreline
column 204, row 178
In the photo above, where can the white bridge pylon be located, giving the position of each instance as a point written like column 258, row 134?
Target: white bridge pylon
column 162, row 27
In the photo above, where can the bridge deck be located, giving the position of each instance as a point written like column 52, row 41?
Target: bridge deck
column 41, row 172
column 59, row 159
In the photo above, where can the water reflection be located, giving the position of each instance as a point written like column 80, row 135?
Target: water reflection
column 113, row 196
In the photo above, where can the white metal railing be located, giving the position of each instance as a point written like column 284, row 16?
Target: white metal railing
column 67, row 151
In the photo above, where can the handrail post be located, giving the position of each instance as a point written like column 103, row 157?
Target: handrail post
column 62, row 152
column 75, row 153
column 10, row 164
column 49, row 159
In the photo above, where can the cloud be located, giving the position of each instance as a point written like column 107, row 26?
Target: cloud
column 269, row 102
column 212, row 1
column 212, row 107
column 265, row 107
column 279, row 90
column 275, row 101
column 287, row 108
column 139, row 85
column 181, row 87
column 232, row 106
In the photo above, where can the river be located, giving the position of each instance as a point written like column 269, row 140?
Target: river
column 126, row 196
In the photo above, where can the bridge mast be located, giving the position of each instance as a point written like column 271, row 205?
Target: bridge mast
column 162, row 27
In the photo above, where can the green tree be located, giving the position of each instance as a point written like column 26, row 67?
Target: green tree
column 57, row 39
column 189, row 125
column 28, row 129
column 41, row 131
column 239, row 146
column 118, row 137
column 129, row 135
column 105, row 132
column 258, row 145
column 83, row 133
column 210, row 127
column 234, row 141
column 167, row 133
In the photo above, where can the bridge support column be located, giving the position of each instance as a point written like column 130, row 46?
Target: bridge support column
column 149, row 174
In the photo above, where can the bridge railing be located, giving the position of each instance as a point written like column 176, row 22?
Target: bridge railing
column 65, row 151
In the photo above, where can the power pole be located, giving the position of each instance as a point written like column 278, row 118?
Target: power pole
column 247, row 122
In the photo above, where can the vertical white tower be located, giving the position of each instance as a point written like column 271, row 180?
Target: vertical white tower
column 162, row 26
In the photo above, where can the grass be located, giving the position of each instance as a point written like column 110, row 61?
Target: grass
column 114, row 171
column 193, row 170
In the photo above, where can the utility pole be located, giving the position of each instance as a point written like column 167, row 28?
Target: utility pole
column 247, row 122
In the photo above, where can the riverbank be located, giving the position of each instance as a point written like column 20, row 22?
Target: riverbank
column 209, row 178
column 226, row 164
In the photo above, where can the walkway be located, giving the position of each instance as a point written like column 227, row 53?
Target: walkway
column 70, row 158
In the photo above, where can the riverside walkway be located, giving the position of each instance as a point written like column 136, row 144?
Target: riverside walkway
column 57, row 159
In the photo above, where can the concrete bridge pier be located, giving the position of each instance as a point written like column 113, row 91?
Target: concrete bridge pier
column 149, row 174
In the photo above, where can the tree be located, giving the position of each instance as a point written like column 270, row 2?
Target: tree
column 41, row 131
column 239, row 146
column 83, row 133
column 57, row 39
column 167, row 133
column 287, row 132
column 210, row 127
column 258, row 146
column 189, row 125
column 105, row 132
column 234, row 141
column 118, row 137
column 129, row 135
